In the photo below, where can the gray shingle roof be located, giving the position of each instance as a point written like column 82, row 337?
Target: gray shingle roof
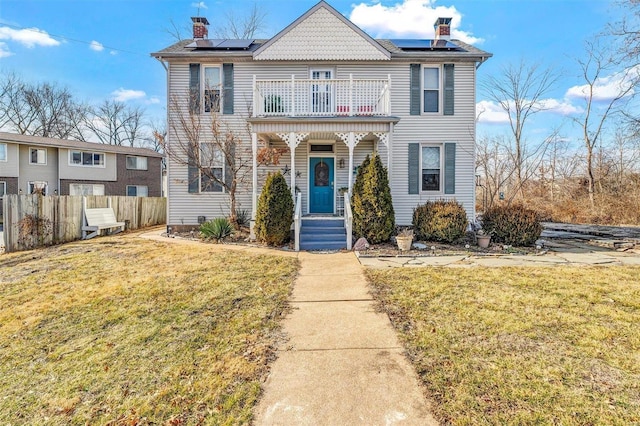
column 67, row 143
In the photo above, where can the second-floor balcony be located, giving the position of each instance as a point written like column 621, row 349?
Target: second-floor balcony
column 312, row 97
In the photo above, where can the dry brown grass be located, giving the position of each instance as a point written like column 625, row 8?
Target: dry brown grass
column 521, row 345
column 119, row 330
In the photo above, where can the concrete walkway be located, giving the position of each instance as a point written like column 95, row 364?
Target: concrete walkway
column 343, row 363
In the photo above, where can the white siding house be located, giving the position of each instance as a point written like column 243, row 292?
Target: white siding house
column 327, row 95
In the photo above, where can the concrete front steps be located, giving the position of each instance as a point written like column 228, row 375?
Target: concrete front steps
column 323, row 233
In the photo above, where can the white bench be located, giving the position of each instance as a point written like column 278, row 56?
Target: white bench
column 95, row 220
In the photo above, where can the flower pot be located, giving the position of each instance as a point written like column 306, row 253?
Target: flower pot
column 404, row 243
column 483, row 240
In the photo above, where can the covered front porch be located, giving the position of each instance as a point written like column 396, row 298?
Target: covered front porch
column 319, row 160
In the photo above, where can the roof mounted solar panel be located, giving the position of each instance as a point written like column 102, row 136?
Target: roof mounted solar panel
column 424, row 44
column 221, row 44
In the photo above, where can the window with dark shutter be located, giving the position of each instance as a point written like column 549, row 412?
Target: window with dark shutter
column 194, row 88
column 449, row 168
column 414, row 166
column 227, row 88
column 448, row 90
column 414, row 87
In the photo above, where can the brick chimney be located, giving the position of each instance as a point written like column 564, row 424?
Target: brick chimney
column 443, row 28
column 200, row 29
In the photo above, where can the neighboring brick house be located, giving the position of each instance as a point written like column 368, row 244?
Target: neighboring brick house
column 69, row 167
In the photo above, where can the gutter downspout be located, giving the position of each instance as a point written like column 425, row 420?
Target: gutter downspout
column 168, row 180
column 483, row 59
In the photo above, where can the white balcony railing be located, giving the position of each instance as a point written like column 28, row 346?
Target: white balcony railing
column 352, row 97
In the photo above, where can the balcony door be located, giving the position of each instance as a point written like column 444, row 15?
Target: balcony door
column 321, row 93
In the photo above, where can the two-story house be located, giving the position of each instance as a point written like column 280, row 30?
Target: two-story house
column 30, row 164
column 327, row 94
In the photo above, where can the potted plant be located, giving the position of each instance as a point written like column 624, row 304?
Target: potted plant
column 483, row 238
column 404, row 239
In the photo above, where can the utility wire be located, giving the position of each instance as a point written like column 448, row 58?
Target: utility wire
column 89, row 43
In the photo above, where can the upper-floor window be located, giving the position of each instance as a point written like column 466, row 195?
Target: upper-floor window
column 431, row 89
column 136, row 163
column 37, row 155
column 85, row 158
column 212, row 88
column 431, row 161
column 3, row 152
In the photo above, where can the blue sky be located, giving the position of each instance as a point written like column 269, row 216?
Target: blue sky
column 100, row 49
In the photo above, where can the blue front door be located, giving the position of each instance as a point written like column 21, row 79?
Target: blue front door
column 321, row 185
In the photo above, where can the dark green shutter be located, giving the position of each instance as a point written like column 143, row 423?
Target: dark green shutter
column 448, row 90
column 194, row 88
column 229, row 165
column 193, row 173
column 450, row 168
column 227, row 89
column 414, row 87
column 414, row 168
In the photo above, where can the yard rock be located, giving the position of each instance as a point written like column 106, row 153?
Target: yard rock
column 361, row 244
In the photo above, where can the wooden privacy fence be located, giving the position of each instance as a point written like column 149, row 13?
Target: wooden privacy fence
column 34, row 220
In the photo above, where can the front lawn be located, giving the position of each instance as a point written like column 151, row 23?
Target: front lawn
column 521, row 345
column 123, row 331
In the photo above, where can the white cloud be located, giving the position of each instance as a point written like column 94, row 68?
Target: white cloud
column 607, row 88
column 410, row 18
column 199, row 5
column 559, row 107
column 97, row 46
column 29, row 37
column 490, row 112
column 113, row 53
column 153, row 100
column 123, row 95
column 4, row 50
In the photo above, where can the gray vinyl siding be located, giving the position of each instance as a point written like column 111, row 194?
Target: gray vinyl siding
column 10, row 168
column 184, row 208
column 78, row 172
column 38, row 172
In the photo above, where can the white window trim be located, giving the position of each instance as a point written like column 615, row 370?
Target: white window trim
column 72, row 164
column 203, row 86
column 136, row 157
column 46, row 159
column 3, row 188
column 441, row 190
column 6, row 152
column 440, row 89
column 137, row 190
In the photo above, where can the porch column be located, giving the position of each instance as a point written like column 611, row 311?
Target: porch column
column 385, row 138
column 351, row 139
column 293, row 139
column 254, row 182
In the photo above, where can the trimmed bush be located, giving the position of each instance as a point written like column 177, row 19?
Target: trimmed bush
column 274, row 214
column 514, row 224
column 372, row 206
column 441, row 220
column 217, row 229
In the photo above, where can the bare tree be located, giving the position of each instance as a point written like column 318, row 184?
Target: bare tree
column 519, row 90
column 628, row 29
column 218, row 158
column 232, row 26
column 42, row 109
column 115, row 123
column 242, row 27
column 598, row 109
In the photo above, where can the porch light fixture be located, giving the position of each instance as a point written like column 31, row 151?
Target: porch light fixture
column 341, row 163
